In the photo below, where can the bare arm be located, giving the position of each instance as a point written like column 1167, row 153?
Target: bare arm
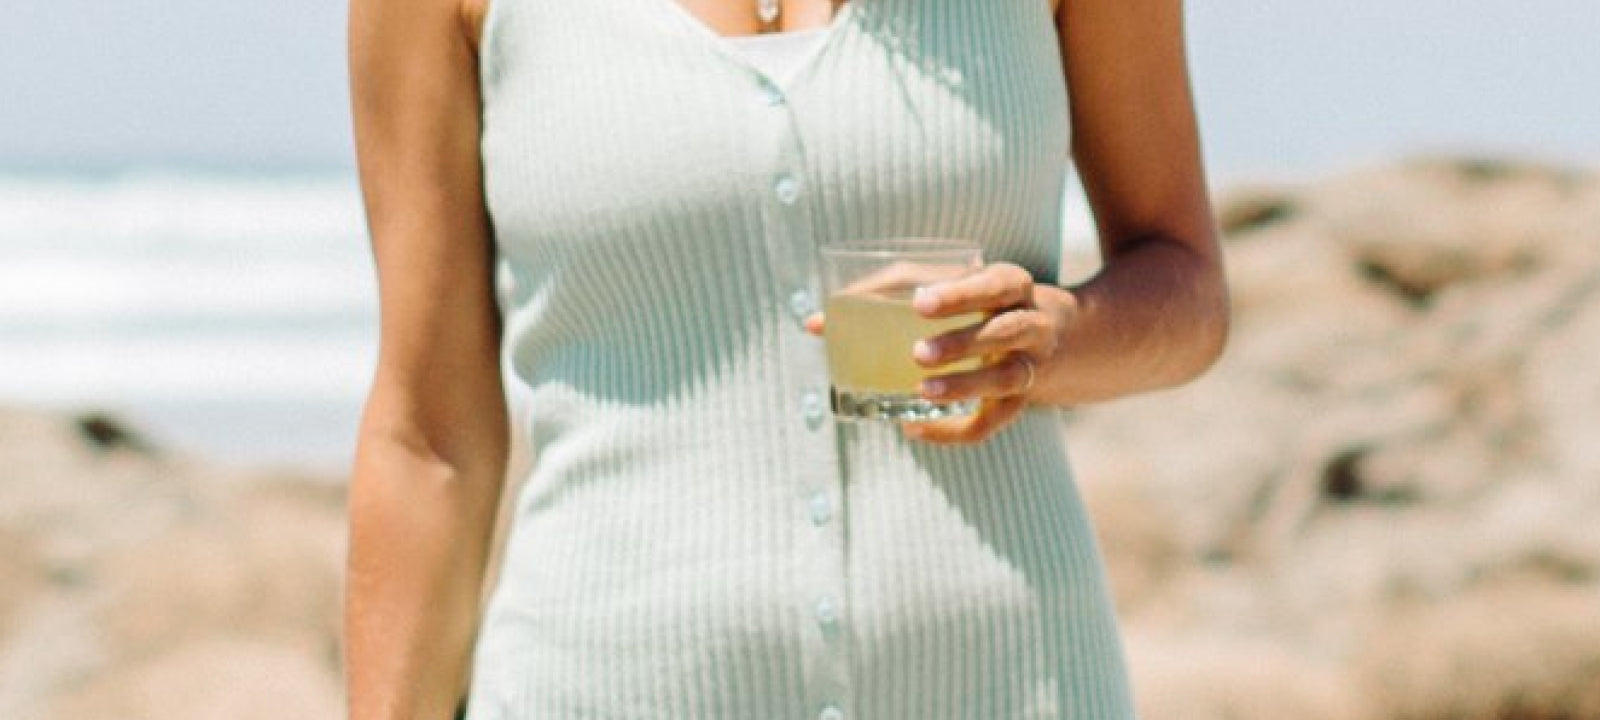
column 1157, row 313
column 432, row 449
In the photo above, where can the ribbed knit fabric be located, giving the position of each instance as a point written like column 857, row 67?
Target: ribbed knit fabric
column 699, row 538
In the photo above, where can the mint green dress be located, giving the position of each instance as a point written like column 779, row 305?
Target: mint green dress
column 699, row 537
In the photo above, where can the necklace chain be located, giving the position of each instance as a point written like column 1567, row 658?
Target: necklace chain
column 767, row 10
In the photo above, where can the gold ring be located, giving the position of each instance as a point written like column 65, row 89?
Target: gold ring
column 1027, row 362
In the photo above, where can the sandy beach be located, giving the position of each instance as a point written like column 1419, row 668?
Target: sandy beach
column 1380, row 505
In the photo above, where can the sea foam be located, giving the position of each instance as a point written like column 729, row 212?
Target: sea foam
column 157, row 294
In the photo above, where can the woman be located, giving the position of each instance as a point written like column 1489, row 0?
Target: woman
column 698, row 538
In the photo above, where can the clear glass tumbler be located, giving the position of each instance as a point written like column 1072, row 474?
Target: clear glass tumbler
column 871, row 325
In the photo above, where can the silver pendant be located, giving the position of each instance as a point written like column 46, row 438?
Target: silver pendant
column 767, row 10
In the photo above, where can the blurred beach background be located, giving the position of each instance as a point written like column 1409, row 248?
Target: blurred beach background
column 188, row 324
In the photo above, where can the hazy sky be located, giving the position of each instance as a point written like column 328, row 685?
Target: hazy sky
column 213, row 82
column 1284, row 86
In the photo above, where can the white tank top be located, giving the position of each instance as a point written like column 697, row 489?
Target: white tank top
column 778, row 55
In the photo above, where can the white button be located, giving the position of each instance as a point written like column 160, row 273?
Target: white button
column 830, row 712
column 826, row 613
column 787, row 189
column 772, row 93
column 811, row 406
column 801, row 304
column 821, row 509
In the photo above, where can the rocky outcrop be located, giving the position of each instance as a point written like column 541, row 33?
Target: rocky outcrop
column 135, row 584
column 1381, row 503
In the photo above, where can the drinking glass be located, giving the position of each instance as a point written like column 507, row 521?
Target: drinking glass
column 871, row 325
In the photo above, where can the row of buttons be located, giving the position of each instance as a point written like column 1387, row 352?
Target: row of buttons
column 787, row 188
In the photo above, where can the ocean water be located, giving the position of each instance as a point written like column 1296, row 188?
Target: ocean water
column 229, row 315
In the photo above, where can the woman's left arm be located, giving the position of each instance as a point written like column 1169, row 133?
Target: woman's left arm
column 1156, row 315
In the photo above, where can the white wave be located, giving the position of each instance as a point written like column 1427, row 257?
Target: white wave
column 59, row 289
column 175, row 214
column 228, row 310
column 197, row 369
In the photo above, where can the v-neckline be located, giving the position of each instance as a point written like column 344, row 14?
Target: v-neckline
column 720, row 43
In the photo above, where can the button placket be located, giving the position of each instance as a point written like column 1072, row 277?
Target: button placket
column 819, row 586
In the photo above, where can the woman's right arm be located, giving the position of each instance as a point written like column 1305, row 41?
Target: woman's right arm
column 431, row 457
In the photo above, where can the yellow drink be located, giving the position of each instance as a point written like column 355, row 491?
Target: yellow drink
column 871, row 325
column 869, row 340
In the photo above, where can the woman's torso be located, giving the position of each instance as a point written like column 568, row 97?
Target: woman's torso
column 698, row 537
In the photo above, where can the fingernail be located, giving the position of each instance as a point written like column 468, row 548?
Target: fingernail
column 924, row 299
column 934, row 387
column 924, row 351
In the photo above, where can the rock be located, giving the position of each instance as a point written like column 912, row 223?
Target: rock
column 1420, row 227
column 1392, row 471
column 1246, row 209
column 1149, row 554
column 1528, row 651
column 1203, row 676
column 136, row 583
column 234, row 679
column 107, row 432
column 1563, row 385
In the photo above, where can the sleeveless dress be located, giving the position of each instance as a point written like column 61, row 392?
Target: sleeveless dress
column 699, row 537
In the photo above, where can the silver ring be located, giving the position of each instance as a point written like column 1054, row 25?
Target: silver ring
column 1027, row 362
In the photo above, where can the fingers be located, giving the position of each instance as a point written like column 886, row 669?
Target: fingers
column 814, row 324
column 992, row 416
column 1027, row 331
column 996, row 287
column 1009, row 377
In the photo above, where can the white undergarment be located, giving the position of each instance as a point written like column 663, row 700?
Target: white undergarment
column 778, row 55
